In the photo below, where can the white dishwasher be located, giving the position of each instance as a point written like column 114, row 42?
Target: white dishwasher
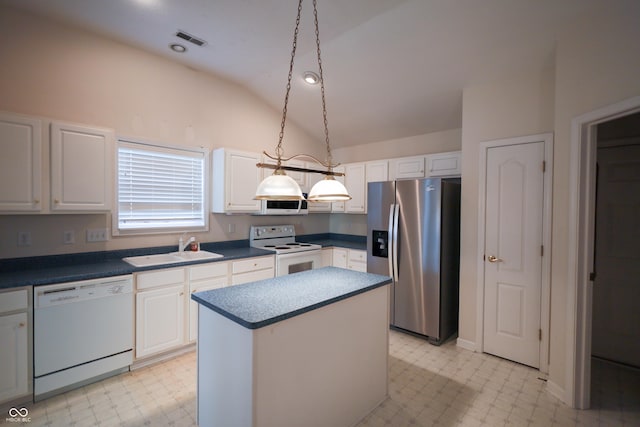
column 82, row 332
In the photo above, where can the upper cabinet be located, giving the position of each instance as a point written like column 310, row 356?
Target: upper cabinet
column 339, row 206
column 235, row 180
column 81, row 168
column 20, row 163
column 407, row 168
column 354, row 180
column 444, row 164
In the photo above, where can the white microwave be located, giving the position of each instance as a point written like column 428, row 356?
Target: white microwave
column 284, row 207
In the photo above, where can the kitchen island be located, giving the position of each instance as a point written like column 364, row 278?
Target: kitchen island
column 307, row 349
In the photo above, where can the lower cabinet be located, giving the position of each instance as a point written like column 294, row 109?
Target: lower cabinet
column 160, row 319
column 351, row 259
column 15, row 351
column 166, row 318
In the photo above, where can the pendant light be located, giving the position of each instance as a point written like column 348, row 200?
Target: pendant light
column 279, row 186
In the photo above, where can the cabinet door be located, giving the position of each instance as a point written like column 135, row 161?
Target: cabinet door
column 159, row 320
column 81, row 168
column 407, row 168
column 235, row 180
column 377, row 171
column 340, row 257
column 339, row 206
column 444, row 164
column 199, row 286
column 355, row 183
column 14, row 373
column 20, row 163
column 327, row 257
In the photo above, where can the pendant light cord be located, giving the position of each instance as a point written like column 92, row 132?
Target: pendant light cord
column 279, row 150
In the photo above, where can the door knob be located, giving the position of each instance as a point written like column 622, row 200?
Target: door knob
column 494, row 259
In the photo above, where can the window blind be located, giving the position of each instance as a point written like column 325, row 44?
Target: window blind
column 160, row 188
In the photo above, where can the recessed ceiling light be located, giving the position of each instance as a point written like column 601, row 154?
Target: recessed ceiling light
column 176, row 47
column 311, row 78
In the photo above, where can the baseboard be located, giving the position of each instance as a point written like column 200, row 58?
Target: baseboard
column 152, row 360
column 556, row 391
column 466, row 344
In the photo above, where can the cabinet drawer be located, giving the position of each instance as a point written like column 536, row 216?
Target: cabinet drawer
column 206, row 271
column 357, row 256
column 252, row 276
column 252, row 264
column 157, row 278
column 358, row 266
column 14, row 300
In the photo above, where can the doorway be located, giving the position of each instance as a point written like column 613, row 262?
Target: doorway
column 582, row 220
column 514, row 241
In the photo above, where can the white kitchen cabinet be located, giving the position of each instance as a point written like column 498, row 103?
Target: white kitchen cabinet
column 357, row 260
column 377, row 171
column 407, row 168
column 15, row 351
column 299, row 177
column 444, row 164
column 327, row 257
column 356, row 183
column 235, row 180
column 160, row 311
column 252, row 269
column 339, row 206
column 204, row 278
column 20, row 163
column 339, row 258
column 81, row 168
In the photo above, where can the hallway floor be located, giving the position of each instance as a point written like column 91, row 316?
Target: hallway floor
column 429, row 386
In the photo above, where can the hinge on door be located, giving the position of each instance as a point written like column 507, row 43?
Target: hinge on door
column 539, row 334
column 544, row 166
column 542, row 250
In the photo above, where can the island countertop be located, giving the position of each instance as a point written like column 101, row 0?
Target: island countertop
column 258, row 304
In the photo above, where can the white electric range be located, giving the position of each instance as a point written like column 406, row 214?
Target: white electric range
column 291, row 256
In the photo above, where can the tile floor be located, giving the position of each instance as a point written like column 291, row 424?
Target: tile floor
column 429, row 386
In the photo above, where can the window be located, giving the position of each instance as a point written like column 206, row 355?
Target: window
column 160, row 189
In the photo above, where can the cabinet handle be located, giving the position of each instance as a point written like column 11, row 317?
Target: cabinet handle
column 36, row 201
column 181, row 293
column 56, row 201
column 22, row 325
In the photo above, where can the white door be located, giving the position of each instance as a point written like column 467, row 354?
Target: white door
column 616, row 319
column 512, row 257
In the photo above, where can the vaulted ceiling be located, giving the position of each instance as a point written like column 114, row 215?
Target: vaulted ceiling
column 393, row 68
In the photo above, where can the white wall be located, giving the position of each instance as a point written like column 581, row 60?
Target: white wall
column 58, row 72
column 596, row 63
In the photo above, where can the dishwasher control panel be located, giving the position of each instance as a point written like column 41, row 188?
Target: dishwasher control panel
column 65, row 293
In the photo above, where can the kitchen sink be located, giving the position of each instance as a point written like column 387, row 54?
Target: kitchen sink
column 169, row 258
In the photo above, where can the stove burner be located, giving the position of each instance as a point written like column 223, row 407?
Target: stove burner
column 269, row 246
column 304, row 244
column 283, row 247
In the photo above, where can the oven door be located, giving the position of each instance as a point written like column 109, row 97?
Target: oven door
column 298, row 261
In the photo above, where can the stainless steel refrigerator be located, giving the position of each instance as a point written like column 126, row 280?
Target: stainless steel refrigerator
column 414, row 237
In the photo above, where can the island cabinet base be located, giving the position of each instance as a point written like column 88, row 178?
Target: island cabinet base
column 326, row 367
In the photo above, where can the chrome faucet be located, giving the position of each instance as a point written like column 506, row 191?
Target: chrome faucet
column 182, row 245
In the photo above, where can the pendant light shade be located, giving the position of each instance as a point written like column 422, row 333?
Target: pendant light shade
column 279, row 187
column 328, row 190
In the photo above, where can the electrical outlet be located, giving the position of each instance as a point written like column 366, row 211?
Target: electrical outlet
column 69, row 237
column 24, row 238
column 98, row 235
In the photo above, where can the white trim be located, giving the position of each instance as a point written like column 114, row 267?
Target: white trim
column 545, row 296
column 466, row 344
column 581, row 220
column 555, row 390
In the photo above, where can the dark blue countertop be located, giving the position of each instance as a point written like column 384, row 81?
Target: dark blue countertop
column 45, row 270
column 262, row 303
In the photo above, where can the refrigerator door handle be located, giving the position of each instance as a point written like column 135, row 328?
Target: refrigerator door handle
column 390, row 241
column 395, row 242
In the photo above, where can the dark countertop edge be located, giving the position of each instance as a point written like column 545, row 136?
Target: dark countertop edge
column 276, row 319
column 61, row 268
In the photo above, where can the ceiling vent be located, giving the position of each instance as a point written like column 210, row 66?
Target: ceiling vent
column 188, row 37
